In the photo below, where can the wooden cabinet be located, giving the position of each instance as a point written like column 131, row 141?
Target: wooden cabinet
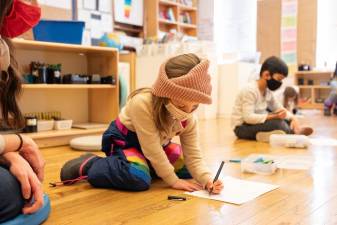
column 83, row 103
column 156, row 23
column 313, row 88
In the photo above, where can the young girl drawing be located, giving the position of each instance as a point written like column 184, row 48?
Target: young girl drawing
column 138, row 143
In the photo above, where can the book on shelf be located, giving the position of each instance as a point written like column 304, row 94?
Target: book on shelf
column 162, row 15
column 167, row 15
column 185, row 17
column 170, row 14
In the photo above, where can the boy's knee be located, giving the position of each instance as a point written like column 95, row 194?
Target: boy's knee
column 242, row 133
column 279, row 125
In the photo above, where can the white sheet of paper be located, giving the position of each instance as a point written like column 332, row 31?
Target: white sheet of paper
column 237, row 191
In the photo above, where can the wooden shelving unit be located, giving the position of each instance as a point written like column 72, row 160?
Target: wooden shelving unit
column 186, row 25
column 130, row 30
column 164, row 21
column 314, row 88
column 187, row 8
column 83, row 103
column 57, row 138
column 57, row 133
column 156, row 24
column 130, row 57
column 21, row 44
column 168, row 2
column 68, row 86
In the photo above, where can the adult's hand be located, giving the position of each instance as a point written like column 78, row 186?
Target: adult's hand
column 30, row 185
column 30, row 151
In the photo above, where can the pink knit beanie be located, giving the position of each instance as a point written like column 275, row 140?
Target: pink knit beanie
column 195, row 86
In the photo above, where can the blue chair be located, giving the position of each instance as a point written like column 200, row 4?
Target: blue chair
column 34, row 219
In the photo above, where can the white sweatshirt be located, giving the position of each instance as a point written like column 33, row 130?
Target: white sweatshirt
column 251, row 106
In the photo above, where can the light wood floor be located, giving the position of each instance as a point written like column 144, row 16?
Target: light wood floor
column 305, row 197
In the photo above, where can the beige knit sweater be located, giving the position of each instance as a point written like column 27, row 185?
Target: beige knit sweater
column 137, row 116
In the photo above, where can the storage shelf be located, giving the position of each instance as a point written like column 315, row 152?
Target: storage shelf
column 313, row 72
column 99, row 103
column 188, row 25
column 183, row 7
column 156, row 24
column 315, row 91
column 68, row 86
column 61, row 133
column 128, row 29
column 60, row 47
column 314, row 87
column 168, row 3
column 164, row 21
column 311, row 106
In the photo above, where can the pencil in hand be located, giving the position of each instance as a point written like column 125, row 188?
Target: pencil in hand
column 216, row 176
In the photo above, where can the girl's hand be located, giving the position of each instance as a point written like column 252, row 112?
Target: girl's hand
column 217, row 186
column 30, row 184
column 186, row 185
column 30, row 152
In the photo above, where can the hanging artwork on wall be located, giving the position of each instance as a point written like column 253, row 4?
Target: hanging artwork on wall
column 289, row 31
column 129, row 12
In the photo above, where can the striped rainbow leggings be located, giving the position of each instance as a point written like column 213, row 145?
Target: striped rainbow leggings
column 125, row 166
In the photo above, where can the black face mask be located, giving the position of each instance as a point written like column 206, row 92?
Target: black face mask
column 273, row 84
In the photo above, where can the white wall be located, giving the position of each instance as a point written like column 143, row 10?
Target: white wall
column 326, row 50
column 206, row 20
column 235, row 25
column 65, row 4
column 232, row 77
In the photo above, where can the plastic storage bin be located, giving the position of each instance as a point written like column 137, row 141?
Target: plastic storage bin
column 289, row 141
column 60, row 31
column 45, row 125
column 259, row 164
column 63, row 124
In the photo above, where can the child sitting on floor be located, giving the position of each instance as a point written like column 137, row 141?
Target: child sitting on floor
column 138, row 143
column 257, row 113
column 289, row 99
column 331, row 101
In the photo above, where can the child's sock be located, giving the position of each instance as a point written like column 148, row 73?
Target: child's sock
column 306, row 131
column 264, row 136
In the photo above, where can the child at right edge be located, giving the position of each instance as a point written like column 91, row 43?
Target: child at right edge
column 331, row 101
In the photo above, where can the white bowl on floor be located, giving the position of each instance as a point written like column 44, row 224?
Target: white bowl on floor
column 87, row 143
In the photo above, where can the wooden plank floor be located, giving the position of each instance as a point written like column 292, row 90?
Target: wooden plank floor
column 305, row 197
